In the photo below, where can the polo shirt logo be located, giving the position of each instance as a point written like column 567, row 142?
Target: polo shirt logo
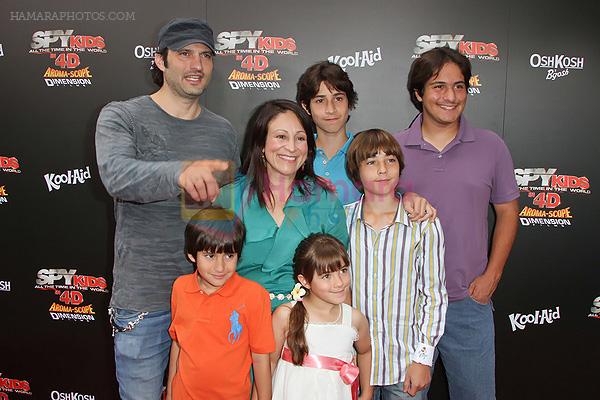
column 236, row 328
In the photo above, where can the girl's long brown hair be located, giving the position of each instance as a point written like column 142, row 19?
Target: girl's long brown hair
column 320, row 253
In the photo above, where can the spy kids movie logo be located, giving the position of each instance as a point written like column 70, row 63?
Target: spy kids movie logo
column 3, row 195
column 558, row 65
column 12, row 385
column 69, row 288
column 65, row 50
column 9, row 164
column 475, row 85
column 547, row 196
column 255, row 52
column 471, row 49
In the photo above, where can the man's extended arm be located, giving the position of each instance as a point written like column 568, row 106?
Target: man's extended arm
column 131, row 179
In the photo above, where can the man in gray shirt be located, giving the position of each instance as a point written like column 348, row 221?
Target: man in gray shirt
column 148, row 149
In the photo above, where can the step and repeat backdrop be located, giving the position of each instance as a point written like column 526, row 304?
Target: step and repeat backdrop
column 536, row 76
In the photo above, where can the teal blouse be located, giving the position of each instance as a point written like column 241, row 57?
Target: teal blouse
column 268, row 249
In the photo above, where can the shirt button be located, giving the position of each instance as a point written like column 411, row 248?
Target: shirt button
column 327, row 173
column 439, row 156
column 324, row 162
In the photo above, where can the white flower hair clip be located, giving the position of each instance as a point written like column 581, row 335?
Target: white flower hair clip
column 298, row 292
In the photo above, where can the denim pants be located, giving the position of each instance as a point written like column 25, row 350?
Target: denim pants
column 142, row 345
column 394, row 392
column 467, row 350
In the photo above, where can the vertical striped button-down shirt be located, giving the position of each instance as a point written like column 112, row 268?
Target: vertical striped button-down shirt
column 398, row 282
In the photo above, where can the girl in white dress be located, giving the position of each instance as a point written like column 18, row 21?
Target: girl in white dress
column 318, row 337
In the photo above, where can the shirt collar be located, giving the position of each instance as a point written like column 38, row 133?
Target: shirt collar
column 415, row 136
column 227, row 290
column 344, row 148
column 401, row 214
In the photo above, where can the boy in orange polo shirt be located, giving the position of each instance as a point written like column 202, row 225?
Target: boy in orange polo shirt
column 221, row 322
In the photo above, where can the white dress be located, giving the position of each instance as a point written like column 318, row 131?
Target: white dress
column 294, row 382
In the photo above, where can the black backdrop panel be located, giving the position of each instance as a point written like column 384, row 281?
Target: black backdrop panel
column 61, row 62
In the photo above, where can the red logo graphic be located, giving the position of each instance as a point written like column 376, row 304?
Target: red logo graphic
column 70, row 289
column 65, row 48
column 547, row 191
column 478, row 49
column 252, row 50
column 13, row 385
column 471, row 49
column 9, row 164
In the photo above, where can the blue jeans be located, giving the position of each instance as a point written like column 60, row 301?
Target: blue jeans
column 394, row 392
column 142, row 345
column 467, row 350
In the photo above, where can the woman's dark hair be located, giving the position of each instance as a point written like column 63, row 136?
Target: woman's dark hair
column 429, row 64
column 320, row 253
column 334, row 77
column 216, row 230
column 253, row 163
column 157, row 74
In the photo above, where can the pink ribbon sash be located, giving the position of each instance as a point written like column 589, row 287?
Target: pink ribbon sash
column 348, row 371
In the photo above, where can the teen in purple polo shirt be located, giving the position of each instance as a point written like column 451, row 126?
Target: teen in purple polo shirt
column 461, row 170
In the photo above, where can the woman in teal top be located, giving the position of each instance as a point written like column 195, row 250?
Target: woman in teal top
column 279, row 197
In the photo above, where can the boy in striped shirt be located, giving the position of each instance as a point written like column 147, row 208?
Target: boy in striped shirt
column 397, row 266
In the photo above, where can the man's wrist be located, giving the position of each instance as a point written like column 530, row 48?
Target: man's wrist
column 493, row 273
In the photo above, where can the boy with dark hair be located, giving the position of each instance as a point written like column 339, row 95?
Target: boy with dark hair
column 397, row 270
column 327, row 94
column 221, row 322
column 461, row 170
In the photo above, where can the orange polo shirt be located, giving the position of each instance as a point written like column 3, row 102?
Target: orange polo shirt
column 216, row 334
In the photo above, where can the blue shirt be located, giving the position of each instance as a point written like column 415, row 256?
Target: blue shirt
column 334, row 169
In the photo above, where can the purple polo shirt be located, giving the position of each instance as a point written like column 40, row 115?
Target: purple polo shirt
column 473, row 170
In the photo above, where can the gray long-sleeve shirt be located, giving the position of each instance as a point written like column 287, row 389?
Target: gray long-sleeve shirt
column 140, row 151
